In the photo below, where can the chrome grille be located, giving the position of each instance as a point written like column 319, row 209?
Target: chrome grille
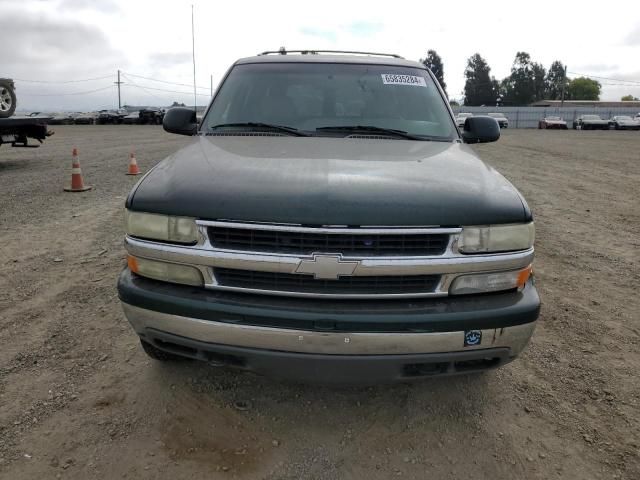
column 297, row 283
column 348, row 244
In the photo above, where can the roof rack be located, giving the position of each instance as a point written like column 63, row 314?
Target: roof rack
column 283, row 51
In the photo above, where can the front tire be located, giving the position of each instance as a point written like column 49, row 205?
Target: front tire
column 158, row 354
column 7, row 100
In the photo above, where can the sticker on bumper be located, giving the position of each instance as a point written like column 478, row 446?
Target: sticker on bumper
column 472, row 338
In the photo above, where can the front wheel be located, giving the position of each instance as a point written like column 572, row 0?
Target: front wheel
column 7, row 100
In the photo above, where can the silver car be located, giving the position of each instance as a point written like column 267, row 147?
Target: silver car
column 501, row 119
column 624, row 122
column 461, row 118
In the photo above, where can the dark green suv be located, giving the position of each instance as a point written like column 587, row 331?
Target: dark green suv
column 328, row 223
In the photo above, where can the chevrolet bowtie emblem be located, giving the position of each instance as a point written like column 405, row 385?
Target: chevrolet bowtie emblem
column 327, row 267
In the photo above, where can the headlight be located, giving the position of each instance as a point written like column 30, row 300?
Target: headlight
column 161, row 227
column 496, row 238
column 167, row 272
column 490, row 282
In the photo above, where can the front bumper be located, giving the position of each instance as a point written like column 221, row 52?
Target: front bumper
column 331, row 341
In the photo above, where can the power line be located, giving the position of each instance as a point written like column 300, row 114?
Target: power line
column 636, row 82
column 146, row 87
column 63, row 81
column 163, row 81
column 143, row 89
column 65, row 94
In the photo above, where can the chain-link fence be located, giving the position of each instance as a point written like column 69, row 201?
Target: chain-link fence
column 528, row 117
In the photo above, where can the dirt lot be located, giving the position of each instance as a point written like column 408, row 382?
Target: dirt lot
column 79, row 399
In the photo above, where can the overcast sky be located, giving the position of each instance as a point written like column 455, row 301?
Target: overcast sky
column 68, row 40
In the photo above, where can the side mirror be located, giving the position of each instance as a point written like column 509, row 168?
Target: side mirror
column 480, row 129
column 180, row 120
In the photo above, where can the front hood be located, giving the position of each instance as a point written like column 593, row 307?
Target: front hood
column 329, row 181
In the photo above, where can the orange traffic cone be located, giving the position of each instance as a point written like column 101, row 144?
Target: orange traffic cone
column 77, row 185
column 133, row 165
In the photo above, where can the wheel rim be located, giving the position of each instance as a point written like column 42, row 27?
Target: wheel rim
column 5, row 100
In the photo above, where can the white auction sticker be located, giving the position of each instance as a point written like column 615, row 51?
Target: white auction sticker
column 394, row 79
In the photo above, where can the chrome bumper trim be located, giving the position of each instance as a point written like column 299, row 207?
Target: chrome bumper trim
column 331, row 343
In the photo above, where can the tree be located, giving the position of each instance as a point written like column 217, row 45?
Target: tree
column 539, row 84
column 434, row 63
column 526, row 84
column 479, row 88
column 629, row 98
column 583, row 88
column 554, row 80
column 454, row 103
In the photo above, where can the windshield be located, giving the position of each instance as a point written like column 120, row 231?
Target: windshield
column 308, row 96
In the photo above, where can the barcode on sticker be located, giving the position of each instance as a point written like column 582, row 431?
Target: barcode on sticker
column 393, row 79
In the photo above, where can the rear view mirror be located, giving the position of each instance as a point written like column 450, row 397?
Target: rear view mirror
column 180, row 120
column 480, row 129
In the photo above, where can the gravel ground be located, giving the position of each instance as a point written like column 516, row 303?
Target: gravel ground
column 79, row 399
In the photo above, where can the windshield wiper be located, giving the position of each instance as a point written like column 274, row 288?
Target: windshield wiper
column 372, row 129
column 263, row 126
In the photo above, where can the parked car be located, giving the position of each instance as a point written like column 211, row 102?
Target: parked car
column 132, row 118
column 590, row 122
column 89, row 118
column 111, row 117
column 461, row 118
column 552, row 123
column 282, row 240
column 637, row 117
column 151, row 116
column 501, row 119
column 624, row 122
column 61, row 119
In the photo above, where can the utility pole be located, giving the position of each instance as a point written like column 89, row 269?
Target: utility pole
column 564, row 81
column 119, row 83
